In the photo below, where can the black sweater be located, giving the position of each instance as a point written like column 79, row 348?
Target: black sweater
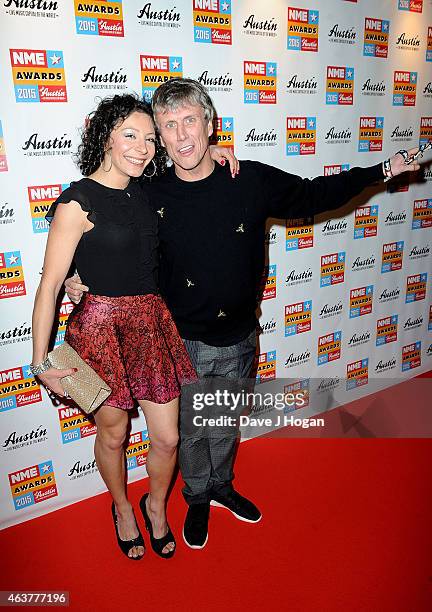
column 211, row 235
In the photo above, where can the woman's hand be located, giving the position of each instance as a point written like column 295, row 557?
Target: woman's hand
column 221, row 155
column 51, row 379
column 74, row 288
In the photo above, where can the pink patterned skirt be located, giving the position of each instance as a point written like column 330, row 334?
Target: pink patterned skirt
column 133, row 344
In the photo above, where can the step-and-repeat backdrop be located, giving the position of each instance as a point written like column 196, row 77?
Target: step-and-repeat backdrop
column 311, row 86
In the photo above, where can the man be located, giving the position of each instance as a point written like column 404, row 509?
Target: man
column 211, row 231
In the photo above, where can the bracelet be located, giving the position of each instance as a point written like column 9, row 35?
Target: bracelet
column 40, row 368
column 387, row 171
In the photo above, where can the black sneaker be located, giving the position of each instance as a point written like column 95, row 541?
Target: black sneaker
column 195, row 530
column 242, row 508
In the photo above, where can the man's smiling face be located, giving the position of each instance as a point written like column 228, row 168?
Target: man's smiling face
column 185, row 134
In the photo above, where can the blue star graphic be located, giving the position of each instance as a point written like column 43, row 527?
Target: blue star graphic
column 337, row 335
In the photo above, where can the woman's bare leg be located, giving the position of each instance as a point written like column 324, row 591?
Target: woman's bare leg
column 109, row 452
column 162, row 425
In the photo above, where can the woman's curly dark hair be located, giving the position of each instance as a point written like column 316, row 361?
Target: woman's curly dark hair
column 99, row 125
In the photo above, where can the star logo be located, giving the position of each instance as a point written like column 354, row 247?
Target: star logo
column 413, row 77
column 27, row 372
column 380, row 123
column 313, row 16
column 175, row 64
column 227, row 125
column 308, row 305
column 349, row 73
column 221, row 314
column 161, row 211
column 374, row 210
column 311, row 124
column 46, row 468
column 240, row 229
column 13, row 260
column 55, row 59
column 271, row 356
column 337, row 335
column 341, row 257
column 190, row 283
column 225, row 6
column 385, row 26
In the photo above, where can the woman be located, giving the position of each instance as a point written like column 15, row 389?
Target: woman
column 122, row 328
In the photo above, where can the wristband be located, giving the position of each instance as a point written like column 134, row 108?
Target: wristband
column 40, row 368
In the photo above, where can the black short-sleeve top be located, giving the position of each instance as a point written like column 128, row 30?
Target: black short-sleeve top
column 118, row 256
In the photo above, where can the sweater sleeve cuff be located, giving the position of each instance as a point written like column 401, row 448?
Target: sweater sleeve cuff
column 373, row 174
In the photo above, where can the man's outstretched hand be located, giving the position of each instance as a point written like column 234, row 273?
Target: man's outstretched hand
column 397, row 163
column 74, row 288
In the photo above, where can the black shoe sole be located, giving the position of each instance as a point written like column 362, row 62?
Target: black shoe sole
column 213, row 502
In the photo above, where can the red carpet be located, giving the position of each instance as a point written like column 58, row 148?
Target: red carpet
column 346, row 526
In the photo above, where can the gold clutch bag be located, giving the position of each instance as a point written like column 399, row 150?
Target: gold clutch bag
column 85, row 387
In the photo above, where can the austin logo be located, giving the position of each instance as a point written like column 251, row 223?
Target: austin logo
column 165, row 18
column 260, row 27
column 373, row 88
column 216, row 82
column 342, row 34
column 113, row 79
column 302, row 85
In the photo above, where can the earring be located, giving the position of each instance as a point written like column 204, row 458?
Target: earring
column 102, row 164
column 154, row 170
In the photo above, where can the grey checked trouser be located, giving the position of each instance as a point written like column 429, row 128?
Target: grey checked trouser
column 206, row 454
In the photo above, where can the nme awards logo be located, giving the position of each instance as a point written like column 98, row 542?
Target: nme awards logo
column 33, row 485
column 3, row 160
column 12, row 282
column 429, row 45
column 411, row 356
column 224, row 131
column 38, row 75
column 392, row 255
column 298, row 318
column 416, row 287
column 268, row 283
column 340, row 85
column 375, row 39
column 366, row 222
column 18, row 387
column 303, row 27
column 298, row 392
column 74, row 424
column 157, row 69
column 425, row 130
column 100, row 18
column 40, row 199
column 335, row 169
column 361, row 300
column 332, row 269
column 386, row 330
column 357, row 374
column 299, row 234
column 415, row 6
column 212, row 21
column 266, row 369
column 136, row 452
column 329, row 347
column 260, row 81
column 422, row 214
column 300, row 135
column 404, row 88
column 65, row 310
column 371, row 131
